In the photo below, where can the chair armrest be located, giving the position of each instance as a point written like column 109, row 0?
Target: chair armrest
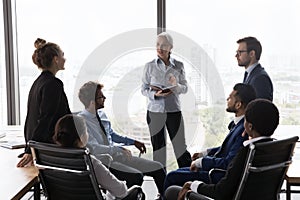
column 106, row 159
column 214, row 171
column 190, row 195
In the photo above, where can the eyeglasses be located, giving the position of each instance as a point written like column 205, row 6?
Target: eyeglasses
column 239, row 52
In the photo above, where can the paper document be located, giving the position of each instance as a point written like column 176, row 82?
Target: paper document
column 12, row 139
column 2, row 135
column 13, row 144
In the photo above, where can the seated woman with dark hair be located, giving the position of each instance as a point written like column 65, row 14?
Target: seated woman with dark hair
column 261, row 120
column 70, row 131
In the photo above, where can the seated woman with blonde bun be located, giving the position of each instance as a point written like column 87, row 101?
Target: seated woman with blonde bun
column 70, row 131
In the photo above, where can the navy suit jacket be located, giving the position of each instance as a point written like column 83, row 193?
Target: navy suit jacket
column 261, row 82
column 220, row 157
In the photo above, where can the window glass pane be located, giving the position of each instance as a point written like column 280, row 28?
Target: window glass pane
column 216, row 26
column 3, row 96
column 79, row 27
column 110, row 30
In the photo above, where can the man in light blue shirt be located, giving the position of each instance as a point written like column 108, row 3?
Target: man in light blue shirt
column 101, row 140
column 115, row 137
column 104, row 142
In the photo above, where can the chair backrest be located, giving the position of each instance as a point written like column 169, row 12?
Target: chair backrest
column 65, row 173
column 266, row 166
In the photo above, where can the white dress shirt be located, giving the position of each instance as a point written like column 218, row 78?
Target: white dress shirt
column 157, row 73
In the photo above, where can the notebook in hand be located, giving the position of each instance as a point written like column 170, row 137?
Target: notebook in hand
column 163, row 88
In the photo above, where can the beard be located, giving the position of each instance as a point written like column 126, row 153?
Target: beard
column 231, row 109
column 243, row 64
column 99, row 106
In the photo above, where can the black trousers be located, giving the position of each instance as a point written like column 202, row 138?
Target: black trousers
column 173, row 122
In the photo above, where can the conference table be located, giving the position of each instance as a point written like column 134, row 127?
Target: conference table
column 16, row 182
column 292, row 177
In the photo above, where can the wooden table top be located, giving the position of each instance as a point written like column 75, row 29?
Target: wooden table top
column 14, row 181
column 293, row 174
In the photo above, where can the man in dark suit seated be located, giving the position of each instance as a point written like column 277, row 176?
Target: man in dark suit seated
column 248, row 55
column 221, row 156
column 261, row 120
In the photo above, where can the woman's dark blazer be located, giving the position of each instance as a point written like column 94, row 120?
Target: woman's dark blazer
column 47, row 102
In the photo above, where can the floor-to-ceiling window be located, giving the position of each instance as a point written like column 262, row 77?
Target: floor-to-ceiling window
column 3, row 96
column 80, row 28
column 110, row 41
column 216, row 26
column 105, row 41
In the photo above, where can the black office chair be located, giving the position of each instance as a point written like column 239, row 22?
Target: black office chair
column 266, row 166
column 65, row 173
column 68, row 174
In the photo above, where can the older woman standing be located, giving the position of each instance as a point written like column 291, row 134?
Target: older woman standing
column 163, row 111
column 47, row 101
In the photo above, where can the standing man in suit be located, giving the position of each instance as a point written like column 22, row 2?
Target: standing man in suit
column 221, row 156
column 248, row 55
